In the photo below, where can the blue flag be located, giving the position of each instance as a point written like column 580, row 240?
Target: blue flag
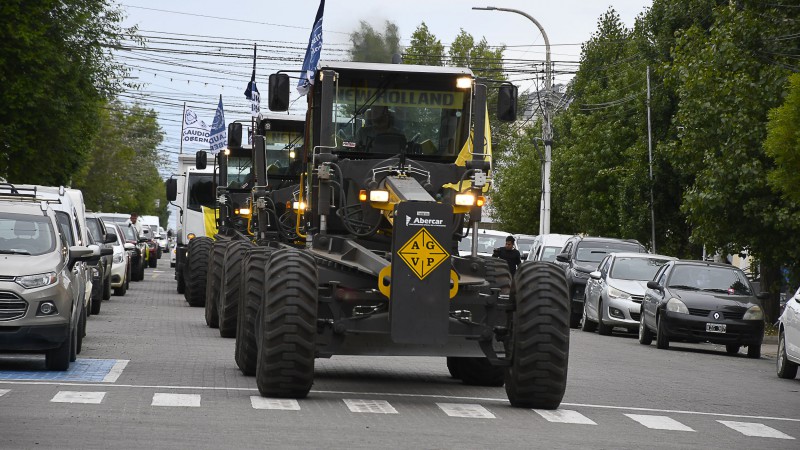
column 252, row 90
column 218, row 138
column 312, row 53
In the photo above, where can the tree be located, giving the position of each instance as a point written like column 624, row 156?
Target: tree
column 783, row 142
column 425, row 48
column 370, row 45
column 56, row 71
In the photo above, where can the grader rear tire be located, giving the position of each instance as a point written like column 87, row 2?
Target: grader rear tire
column 231, row 283
column 253, row 281
column 539, row 346
column 213, row 281
column 196, row 269
column 287, row 344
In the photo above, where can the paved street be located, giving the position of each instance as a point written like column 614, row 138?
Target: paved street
column 152, row 375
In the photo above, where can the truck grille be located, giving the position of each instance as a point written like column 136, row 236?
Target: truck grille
column 12, row 306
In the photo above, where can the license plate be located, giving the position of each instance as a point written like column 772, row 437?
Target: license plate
column 715, row 328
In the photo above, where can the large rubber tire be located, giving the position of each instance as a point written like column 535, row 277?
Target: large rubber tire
column 662, row 340
column 181, row 281
column 539, row 341
column 645, row 335
column 107, row 285
column 602, row 328
column 586, row 324
column 197, row 265
column 214, row 280
column 254, row 279
column 59, row 358
column 230, row 288
column 786, row 369
column 287, row 342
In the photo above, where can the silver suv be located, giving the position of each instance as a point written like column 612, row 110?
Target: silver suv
column 42, row 292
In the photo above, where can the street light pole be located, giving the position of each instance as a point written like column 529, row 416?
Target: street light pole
column 547, row 132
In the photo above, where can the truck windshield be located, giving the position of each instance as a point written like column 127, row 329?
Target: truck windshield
column 389, row 113
column 239, row 171
column 26, row 235
column 283, row 148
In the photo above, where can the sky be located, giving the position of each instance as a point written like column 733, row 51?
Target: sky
column 196, row 51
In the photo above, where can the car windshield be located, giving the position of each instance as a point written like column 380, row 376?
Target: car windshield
column 549, row 253
column 725, row 280
column 25, row 234
column 596, row 251
column 388, row 113
column 630, row 268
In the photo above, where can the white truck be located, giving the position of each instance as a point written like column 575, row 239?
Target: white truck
column 195, row 190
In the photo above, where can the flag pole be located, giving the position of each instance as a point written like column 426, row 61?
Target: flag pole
column 252, row 118
column 183, row 121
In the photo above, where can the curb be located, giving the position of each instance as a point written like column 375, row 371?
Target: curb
column 770, row 340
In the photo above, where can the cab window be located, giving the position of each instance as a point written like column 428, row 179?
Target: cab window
column 65, row 227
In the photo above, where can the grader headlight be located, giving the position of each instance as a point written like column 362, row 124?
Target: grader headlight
column 379, row 196
column 243, row 211
column 299, row 206
column 464, row 83
column 465, row 199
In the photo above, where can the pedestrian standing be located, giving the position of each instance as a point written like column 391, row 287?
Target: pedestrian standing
column 509, row 254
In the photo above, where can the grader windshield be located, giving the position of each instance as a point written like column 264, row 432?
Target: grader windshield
column 387, row 113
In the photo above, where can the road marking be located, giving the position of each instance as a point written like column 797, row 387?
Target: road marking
column 4, row 392
column 188, row 400
column 394, row 394
column 467, row 410
column 659, row 422
column 78, row 397
column 755, row 429
column 564, row 416
column 158, row 271
column 115, row 371
column 259, row 402
column 369, row 406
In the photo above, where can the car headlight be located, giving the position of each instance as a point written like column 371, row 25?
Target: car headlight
column 677, row 306
column 754, row 313
column 616, row 293
column 36, row 281
column 118, row 258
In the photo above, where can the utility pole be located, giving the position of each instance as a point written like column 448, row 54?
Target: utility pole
column 650, row 154
column 547, row 133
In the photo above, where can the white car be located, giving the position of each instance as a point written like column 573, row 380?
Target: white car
column 162, row 239
column 546, row 246
column 488, row 240
column 789, row 338
column 121, row 262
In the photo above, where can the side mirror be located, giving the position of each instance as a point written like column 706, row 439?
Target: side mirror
column 595, row 275
column 106, row 251
column 507, row 103
column 200, row 160
column 128, row 246
column 562, row 257
column 111, row 238
column 172, row 189
column 234, row 135
column 653, row 285
column 278, row 95
column 78, row 253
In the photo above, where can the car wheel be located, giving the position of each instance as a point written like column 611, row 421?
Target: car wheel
column 602, row 328
column 732, row 349
column 645, row 335
column 586, row 324
column 107, row 286
column 662, row 341
column 754, row 350
column 59, row 357
column 786, row 368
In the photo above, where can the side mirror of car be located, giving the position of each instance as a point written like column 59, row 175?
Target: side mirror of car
column 653, row 285
column 106, row 251
column 78, row 253
column 595, row 275
column 111, row 238
column 562, row 257
column 128, row 246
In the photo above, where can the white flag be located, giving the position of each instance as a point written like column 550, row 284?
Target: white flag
column 194, row 129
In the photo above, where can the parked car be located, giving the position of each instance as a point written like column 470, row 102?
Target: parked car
column 702, row 301
column 524, row 243
column 488, row 240
column 614, row 292
column 121, row 262
column 43, row 277
column 789, row 338
column 581, row 256
column 163, row 242
column 101, row 272
column 139, row 254
column 545, row 247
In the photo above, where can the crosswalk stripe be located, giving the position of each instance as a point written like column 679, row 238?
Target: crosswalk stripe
column 565, row 416
column 467, row 410
column 4, row 392
column 755, row 429
column 78, row 397
column 369, row 406
column 188, row 400
column 259, row 402
column 659, row 422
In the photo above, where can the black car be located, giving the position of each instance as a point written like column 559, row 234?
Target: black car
column 702, row 301
column 101, row 272
column 580, row 256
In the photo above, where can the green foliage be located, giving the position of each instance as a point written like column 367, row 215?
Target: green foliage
column 121, row 174
column 370, row 45
column 425, row 49
column 56, row 72
column 783, row 143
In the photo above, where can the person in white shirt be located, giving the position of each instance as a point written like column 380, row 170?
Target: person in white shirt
column 134, row 221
